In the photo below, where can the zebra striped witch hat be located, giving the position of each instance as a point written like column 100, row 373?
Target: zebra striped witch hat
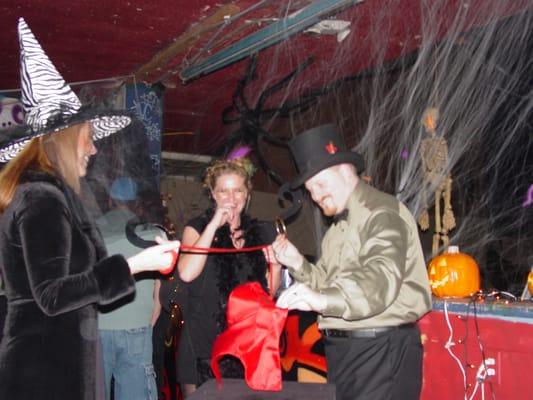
column 50, row 105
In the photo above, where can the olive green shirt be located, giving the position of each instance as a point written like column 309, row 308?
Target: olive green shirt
column 372, row 268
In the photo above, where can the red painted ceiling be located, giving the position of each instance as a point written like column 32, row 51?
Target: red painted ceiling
column 98, row 39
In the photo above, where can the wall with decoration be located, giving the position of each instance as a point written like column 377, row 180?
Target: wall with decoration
column 478, row 350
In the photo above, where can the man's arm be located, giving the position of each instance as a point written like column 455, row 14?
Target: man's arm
column 362, row 288
column 301, row 270
column 368, row 286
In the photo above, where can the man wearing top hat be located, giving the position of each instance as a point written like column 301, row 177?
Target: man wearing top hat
column 369, row 285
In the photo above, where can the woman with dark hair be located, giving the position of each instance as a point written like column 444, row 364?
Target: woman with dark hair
column 212, row 277
column 52, row 256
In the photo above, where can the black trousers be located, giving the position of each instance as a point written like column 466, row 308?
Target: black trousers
column 158, row 353
column 387, row 367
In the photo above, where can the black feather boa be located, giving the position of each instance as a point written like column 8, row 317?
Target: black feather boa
column 235, row 269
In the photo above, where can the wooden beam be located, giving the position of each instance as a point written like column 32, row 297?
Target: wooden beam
column 270, row 35
column 164, row 56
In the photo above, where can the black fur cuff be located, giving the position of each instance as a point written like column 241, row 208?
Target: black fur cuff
column 114, row 278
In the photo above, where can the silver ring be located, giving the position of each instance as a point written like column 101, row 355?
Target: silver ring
column 281, row 229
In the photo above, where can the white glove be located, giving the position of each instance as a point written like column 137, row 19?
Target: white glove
column 301, row 297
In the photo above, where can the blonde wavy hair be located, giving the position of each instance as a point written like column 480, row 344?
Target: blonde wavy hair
column 239, row 166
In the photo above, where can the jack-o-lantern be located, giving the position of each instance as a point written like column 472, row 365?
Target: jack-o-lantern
column 453, row 274
column 530, row 282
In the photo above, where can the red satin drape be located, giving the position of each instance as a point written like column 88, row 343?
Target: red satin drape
column 254, row 326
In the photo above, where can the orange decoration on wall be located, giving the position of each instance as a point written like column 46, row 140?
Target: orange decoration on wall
column 297, row 351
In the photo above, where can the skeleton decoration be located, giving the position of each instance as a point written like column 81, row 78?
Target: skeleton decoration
column 434, row 154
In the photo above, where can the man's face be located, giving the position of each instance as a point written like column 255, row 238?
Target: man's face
column 327, row 189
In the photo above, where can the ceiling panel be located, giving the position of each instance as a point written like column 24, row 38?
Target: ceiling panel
column 153, row 40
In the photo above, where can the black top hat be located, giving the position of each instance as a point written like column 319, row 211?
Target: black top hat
column 320, row 148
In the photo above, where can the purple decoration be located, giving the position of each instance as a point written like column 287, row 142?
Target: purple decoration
column 239, row 152
column 17, row 114
column 529, row 197
column 404, row 154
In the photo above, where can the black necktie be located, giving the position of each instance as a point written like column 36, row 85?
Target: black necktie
column 342, row 216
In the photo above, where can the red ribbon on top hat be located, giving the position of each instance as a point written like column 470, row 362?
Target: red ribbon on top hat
column 254, row 326
column 331, row 148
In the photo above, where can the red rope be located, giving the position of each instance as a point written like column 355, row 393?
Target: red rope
column 212, row 250
column 205, row 250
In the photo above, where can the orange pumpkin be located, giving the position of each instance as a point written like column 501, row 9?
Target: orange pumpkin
column 453, row 274
column 530, row 282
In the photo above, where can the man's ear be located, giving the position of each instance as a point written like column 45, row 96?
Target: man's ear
column 346, row 170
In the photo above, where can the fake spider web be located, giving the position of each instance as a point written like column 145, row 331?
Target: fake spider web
column 472, row 63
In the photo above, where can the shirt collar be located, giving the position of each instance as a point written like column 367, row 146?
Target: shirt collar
column 354, row 202
column 342, row 216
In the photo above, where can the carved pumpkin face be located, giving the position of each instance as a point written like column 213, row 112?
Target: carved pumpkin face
column 453, row 275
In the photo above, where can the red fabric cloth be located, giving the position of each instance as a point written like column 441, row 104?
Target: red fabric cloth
column 254, row 326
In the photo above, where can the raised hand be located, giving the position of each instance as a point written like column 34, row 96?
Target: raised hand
column 268, row 252
column 223, row 214
column 286, row 253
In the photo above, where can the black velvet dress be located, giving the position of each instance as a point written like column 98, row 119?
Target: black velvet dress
column 204, row 313
column 54, row 270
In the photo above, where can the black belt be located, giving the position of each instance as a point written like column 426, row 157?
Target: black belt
column 363, row 332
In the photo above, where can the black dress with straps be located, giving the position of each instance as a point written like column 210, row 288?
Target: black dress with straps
column 204, row 314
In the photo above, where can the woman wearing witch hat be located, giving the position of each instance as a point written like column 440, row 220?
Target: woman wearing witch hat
column 53, row 259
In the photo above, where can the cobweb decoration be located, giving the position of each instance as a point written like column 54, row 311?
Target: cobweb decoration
column 250, row 119
column 128, row 153
column 482, row 83
column 471, row 61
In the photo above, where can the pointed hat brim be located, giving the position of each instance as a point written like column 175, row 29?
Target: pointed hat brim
column 50, row 105
column 104, row 123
